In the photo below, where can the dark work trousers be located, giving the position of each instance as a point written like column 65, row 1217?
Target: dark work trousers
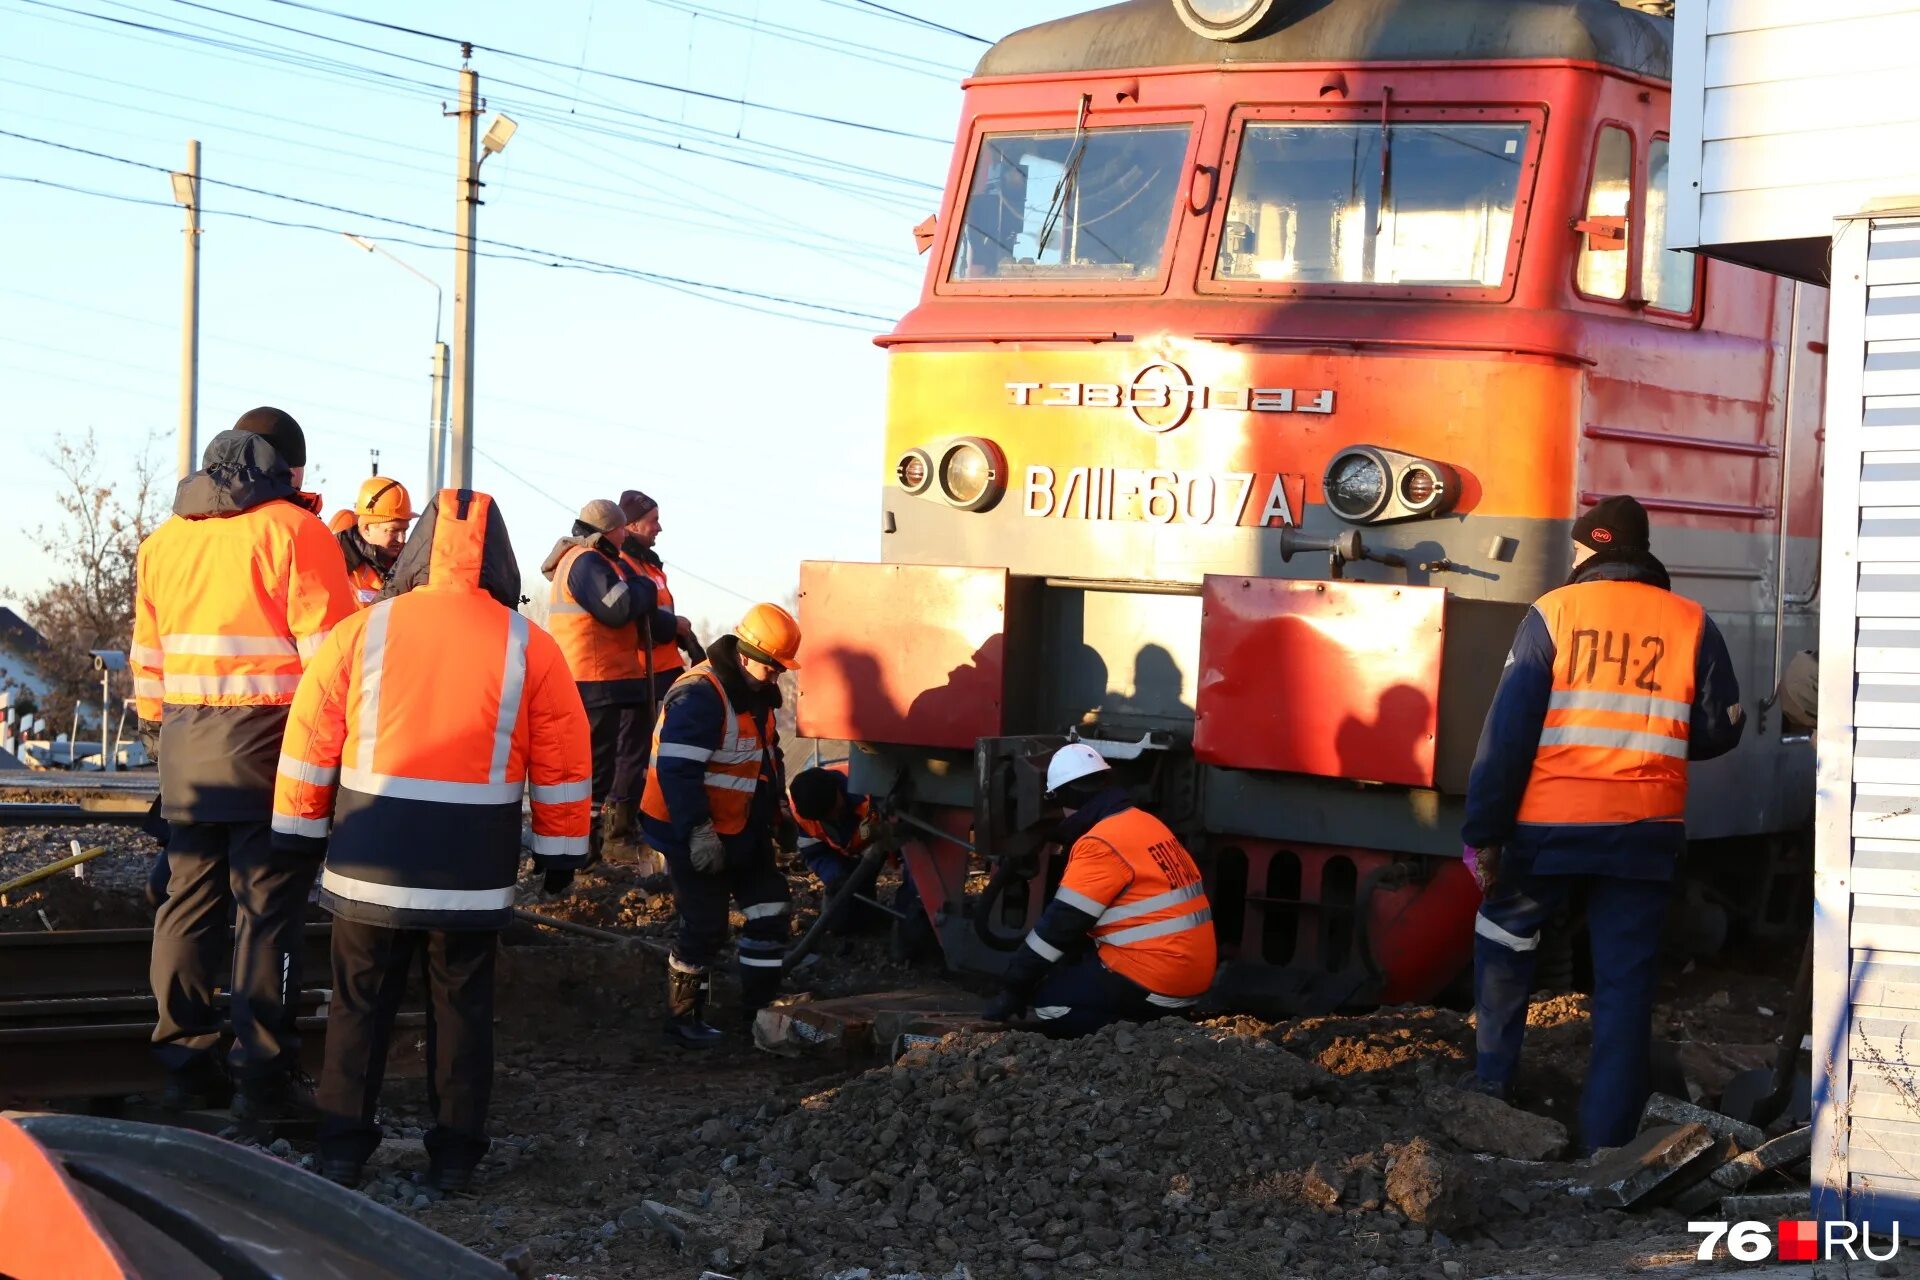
column 603, row 726
column 228, row 874
column 1079, row 997
column 1625, row 919
column 370, row 967
column 753, row 881
column 832, row 869
column 635, row 745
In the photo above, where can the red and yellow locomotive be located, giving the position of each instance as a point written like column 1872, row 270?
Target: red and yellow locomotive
column 1267, row 350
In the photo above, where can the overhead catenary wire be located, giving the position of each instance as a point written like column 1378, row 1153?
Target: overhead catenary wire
column 500, row 249
column 794, row 112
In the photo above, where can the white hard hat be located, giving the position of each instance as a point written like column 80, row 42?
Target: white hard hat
column 1071, row 763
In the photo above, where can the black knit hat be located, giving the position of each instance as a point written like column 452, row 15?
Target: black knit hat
column 815, row 792
column 281, row 431
column 636, row 506
column 1614, row 524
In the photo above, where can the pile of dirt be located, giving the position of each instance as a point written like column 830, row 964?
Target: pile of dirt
column 107, row 893
column 1138, row 1151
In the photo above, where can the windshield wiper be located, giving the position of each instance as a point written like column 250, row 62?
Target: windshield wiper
column 1069, row 174
column 1386, row 158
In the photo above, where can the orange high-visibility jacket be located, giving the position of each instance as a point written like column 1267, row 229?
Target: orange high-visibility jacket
column 667, row 658
column 421, row 724
column 594, row 651
column 1613, row 747
column 734, row 765
column 363, row 574
column 230, row 601
column 1152, row 921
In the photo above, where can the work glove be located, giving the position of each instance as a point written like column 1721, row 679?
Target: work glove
column 1005, row 1007
column 708, row 853
column 1485, row 865
column 556, row 882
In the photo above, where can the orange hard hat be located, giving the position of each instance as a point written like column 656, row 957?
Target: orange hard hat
column 769, row 630
column 383, row 498
column 341, row 521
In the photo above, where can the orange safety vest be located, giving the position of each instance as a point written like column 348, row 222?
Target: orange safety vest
column 812, row 829
column 1153, row 923
column 1613, row 748
column 666, row 655
column 735, row 768
column 416, row 734
column 229, row 609
column 594, row 651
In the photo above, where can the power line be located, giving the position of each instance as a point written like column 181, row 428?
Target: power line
column 614, row 75
column 514, row 252
column 912, row 19
column 908, row 63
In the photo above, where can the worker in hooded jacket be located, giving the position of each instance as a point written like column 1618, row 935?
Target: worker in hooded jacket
column 372, row 538
column 1132, row 889
column 419, row 726
column 234, row 595
column 714, row 807
column 599, row 609
column 1579, row 788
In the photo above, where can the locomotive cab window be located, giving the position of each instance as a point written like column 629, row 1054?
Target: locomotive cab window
column 1667, row 276
column 1066, row 205
column 1605, row 236
column 1326, row 203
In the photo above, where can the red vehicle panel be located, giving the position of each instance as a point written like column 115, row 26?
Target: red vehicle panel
column 898, row 653
column 1336, row 679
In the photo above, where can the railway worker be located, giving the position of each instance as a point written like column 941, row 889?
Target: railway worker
column 419, row 725
column 836, row 827
column 1130, row 887
column 712, row 808
column 662, row 635
column 1580, row 787
column 595, row 609
column 233, row 596
column 372, row 540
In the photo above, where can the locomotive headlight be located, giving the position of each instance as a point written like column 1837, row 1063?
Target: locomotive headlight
column 914, row 471
column 1365, row 485
column 1223, row 19
column 973, row 473
column 1356, row 485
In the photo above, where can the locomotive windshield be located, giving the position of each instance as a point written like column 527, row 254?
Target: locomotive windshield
column 1323, row 204
column 1093, row 204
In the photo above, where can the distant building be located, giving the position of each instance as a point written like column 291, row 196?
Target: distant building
column 22, row 650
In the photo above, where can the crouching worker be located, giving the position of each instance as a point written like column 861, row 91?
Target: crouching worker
column 836, row 828
column 1134, row 890
column 711, row 808
column 416, row 730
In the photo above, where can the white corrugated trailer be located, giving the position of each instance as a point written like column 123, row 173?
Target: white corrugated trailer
column 1796, row 148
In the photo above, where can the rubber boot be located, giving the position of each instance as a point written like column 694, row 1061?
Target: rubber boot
column 687, row 1009
column 759, row 984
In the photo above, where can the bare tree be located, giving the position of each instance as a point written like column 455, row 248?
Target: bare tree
column 93, row 544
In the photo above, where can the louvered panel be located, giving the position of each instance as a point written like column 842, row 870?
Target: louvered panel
column 1886, row 755
column 1889, row 700
column 1890, row 424
column 1890, row 590
column 1893, row 313
column 1883, row 929
column 1885, row 868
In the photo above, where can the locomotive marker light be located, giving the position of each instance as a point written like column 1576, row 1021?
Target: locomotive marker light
column 973, row 473
column 1223, row 19
column 914, row 471
column 1366, row 485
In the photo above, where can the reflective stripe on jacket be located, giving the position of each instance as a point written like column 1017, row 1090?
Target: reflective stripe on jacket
column 419, row 727
column 593, row 650
column 666, row 655
column 1613, row 745
column 733, row 763
column 1152, row 921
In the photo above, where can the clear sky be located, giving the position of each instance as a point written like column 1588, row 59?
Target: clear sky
column 757, row 433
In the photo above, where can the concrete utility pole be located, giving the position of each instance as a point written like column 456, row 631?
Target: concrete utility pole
column 186, row 191
column 437, row 436
column 474, row 149
column 466, row 220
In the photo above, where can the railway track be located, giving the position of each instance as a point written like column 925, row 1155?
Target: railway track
column 77, row 1015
